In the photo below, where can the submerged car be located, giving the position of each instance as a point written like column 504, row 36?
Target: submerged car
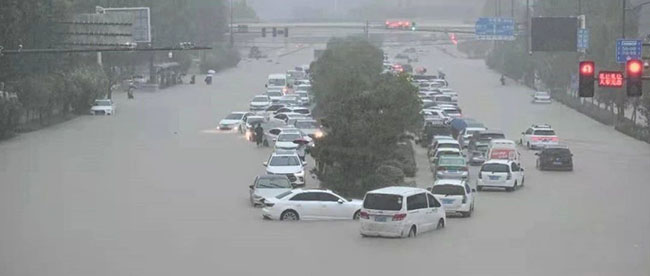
column 234, row 121
column 267, row 186
column 311, row 204
column 456, row 195
column 400, row 212
column 541, row 97
column 103, row 107
column 555, row 158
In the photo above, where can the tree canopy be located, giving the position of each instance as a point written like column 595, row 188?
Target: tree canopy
column 366, row 113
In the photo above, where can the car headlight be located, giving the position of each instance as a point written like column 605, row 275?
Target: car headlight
column 300, row 174
column 318, row 134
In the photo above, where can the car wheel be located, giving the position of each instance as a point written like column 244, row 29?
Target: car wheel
column 412, row 232
column 523, row 179
column 356, row 215
column 289, row 215
column 441, row 224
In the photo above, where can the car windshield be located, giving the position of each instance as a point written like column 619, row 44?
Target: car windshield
column 288, row 137
column 103, row 103
column 492, row 167
column 274, row 94
column 260, row 99
column 273, row 183
column 255, row 120
column 234, row 116
column 306, row 125
column 302, row 94
column 384, row 202
column 446, row 161
column 277, row 82
column 544, row 132
column 448, row 146
column 447, row 189
column 445, row 99
column 490, row 136
column 557, row 151
column 284, row 160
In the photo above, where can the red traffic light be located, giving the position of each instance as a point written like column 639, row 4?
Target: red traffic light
column 634, row 67
column 587, row 68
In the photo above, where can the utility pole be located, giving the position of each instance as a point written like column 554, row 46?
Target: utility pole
column 512, row 8
column 367, row 30
column 528, row 26
column 232, row 35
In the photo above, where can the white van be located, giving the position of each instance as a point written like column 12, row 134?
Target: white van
column 400, row 212
column 277, row 82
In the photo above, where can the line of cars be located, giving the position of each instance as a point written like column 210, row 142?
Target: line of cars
column 402, row 211
column 284, row 113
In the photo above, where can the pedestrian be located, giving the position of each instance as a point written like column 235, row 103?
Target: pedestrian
column 301, row 151
column 428, row 133
column 259, row 134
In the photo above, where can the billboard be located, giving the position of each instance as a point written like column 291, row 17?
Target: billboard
column 554, row 34
column 141, row 30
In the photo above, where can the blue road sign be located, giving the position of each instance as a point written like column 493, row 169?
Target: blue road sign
column 627, row 49
column 583, row 38
column 495, row 28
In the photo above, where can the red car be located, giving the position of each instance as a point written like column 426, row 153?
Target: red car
column 397, row 24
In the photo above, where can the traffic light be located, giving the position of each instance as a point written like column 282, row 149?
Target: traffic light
column 275, row 31
column 412, row 26
column 634, row 73
column 286, row 32
column 263, row 32
column 586, row 82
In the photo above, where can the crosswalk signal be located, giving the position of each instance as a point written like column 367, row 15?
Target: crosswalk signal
column 275, row 31
column 586, row 79
column 286, row 32
column 634, row 74
column 263, row 32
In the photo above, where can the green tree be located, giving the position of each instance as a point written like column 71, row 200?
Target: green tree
column 366, row 113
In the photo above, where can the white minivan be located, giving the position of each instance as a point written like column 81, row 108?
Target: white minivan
column 400, row 212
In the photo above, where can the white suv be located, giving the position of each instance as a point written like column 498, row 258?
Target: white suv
column 539, row 136
column 400, row 212
column 455, row 195
column 289, row 164
column 499, row 173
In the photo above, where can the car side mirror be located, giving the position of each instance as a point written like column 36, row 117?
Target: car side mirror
column 340, row 201
column 304, row 164
column 523, row 133
column 251, row 186
column 265, row 163
column 275, row 139
column 266, row 85
column 521, row 169
column 429, row 189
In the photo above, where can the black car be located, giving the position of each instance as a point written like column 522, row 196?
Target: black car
column 555, row 158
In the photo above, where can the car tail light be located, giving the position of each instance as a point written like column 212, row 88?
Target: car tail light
column 554, row 139
column 387, row 22
column 399, row 217
column 364, row 215
column 535, row 138
column 464, row 199
column 509, row 176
